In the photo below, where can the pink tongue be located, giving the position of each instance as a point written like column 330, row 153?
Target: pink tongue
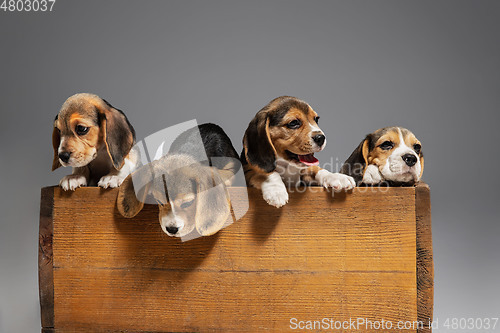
column 308, row 159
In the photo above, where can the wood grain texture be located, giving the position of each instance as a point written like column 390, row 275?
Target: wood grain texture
column 45, row 258
column 425, row 263
column 350, row 256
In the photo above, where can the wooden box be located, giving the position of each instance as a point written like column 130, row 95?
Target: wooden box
column 366, row 255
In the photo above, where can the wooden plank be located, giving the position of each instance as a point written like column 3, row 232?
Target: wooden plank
column 425, row 263
column 45, row 258
column 350, row 256
column 229, row 302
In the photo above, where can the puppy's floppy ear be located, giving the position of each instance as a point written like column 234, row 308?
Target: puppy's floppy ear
column 56, row 140
column 258, row 148
column 212, row 205
column 356, row 164
column 421, row 155
column 118, row 133
column 129, row 201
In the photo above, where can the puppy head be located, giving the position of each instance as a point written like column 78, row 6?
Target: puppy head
column 286, row 128
column 190, row 196
column 84, row 125
column 394, row 150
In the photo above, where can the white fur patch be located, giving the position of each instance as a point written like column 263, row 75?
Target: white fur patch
column 274, row 190
column 395, row 168
column 116, row 177
column 337, row 181
column 315, row 128
column 72, row 182
column 372, row 175
column 110, row 181
column 173, row 220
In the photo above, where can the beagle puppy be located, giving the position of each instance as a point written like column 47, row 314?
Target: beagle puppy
column 391, row 155
column 95, row 139
column 191, row 194
column 278, row 149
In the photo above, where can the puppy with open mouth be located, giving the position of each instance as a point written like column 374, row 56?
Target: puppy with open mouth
column 95, row 139
column 390, row 155
column 278, row 149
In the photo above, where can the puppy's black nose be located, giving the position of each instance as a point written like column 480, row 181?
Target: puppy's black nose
column 319, row 139
column 409, row 159
column 172, row 230
column 64, row 156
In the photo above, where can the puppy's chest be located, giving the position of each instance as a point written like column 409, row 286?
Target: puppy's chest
column 290, row 173
column 100, row 166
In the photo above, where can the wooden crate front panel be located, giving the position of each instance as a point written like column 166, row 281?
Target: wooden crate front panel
column 350, row 256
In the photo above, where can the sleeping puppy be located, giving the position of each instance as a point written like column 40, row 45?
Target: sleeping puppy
column 95, row 139
column 192, row 196
column 279, row 146
column 392, row 155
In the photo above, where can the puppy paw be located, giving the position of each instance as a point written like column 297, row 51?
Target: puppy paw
column 72, row 182
column 337, row 181
column 277, row 197
column 110, row 181
column 372, row 175
column 274, row 190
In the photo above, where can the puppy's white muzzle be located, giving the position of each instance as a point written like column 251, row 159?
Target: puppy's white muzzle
column 402, row 167
column 173, row 225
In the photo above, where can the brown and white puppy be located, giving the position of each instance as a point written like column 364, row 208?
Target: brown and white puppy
column 279, row 146
column 391, row 154
column 191, row 196
column 188, row 184
column 95, row 139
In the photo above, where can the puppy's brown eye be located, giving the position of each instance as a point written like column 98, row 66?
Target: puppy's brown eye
column 316, row 119
column 81, row 130
column 417, row 148
column 294, row 124
column 386, row 145
column 187, row 204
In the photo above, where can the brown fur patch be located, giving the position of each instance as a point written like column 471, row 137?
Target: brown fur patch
column 254, row 176
column 278, row 113
column 369, row 151
column 377, row 155
column 184, row 180
column 91, row 111
column 298, row 141
column 56, row 139
column 308, row 175
column 77, row 110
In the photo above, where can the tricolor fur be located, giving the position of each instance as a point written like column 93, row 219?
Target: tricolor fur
column 95, row 139
column 191, row 194
column 391, row 155
column 278, row 150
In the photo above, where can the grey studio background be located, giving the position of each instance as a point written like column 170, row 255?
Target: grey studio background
column 431, row 66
